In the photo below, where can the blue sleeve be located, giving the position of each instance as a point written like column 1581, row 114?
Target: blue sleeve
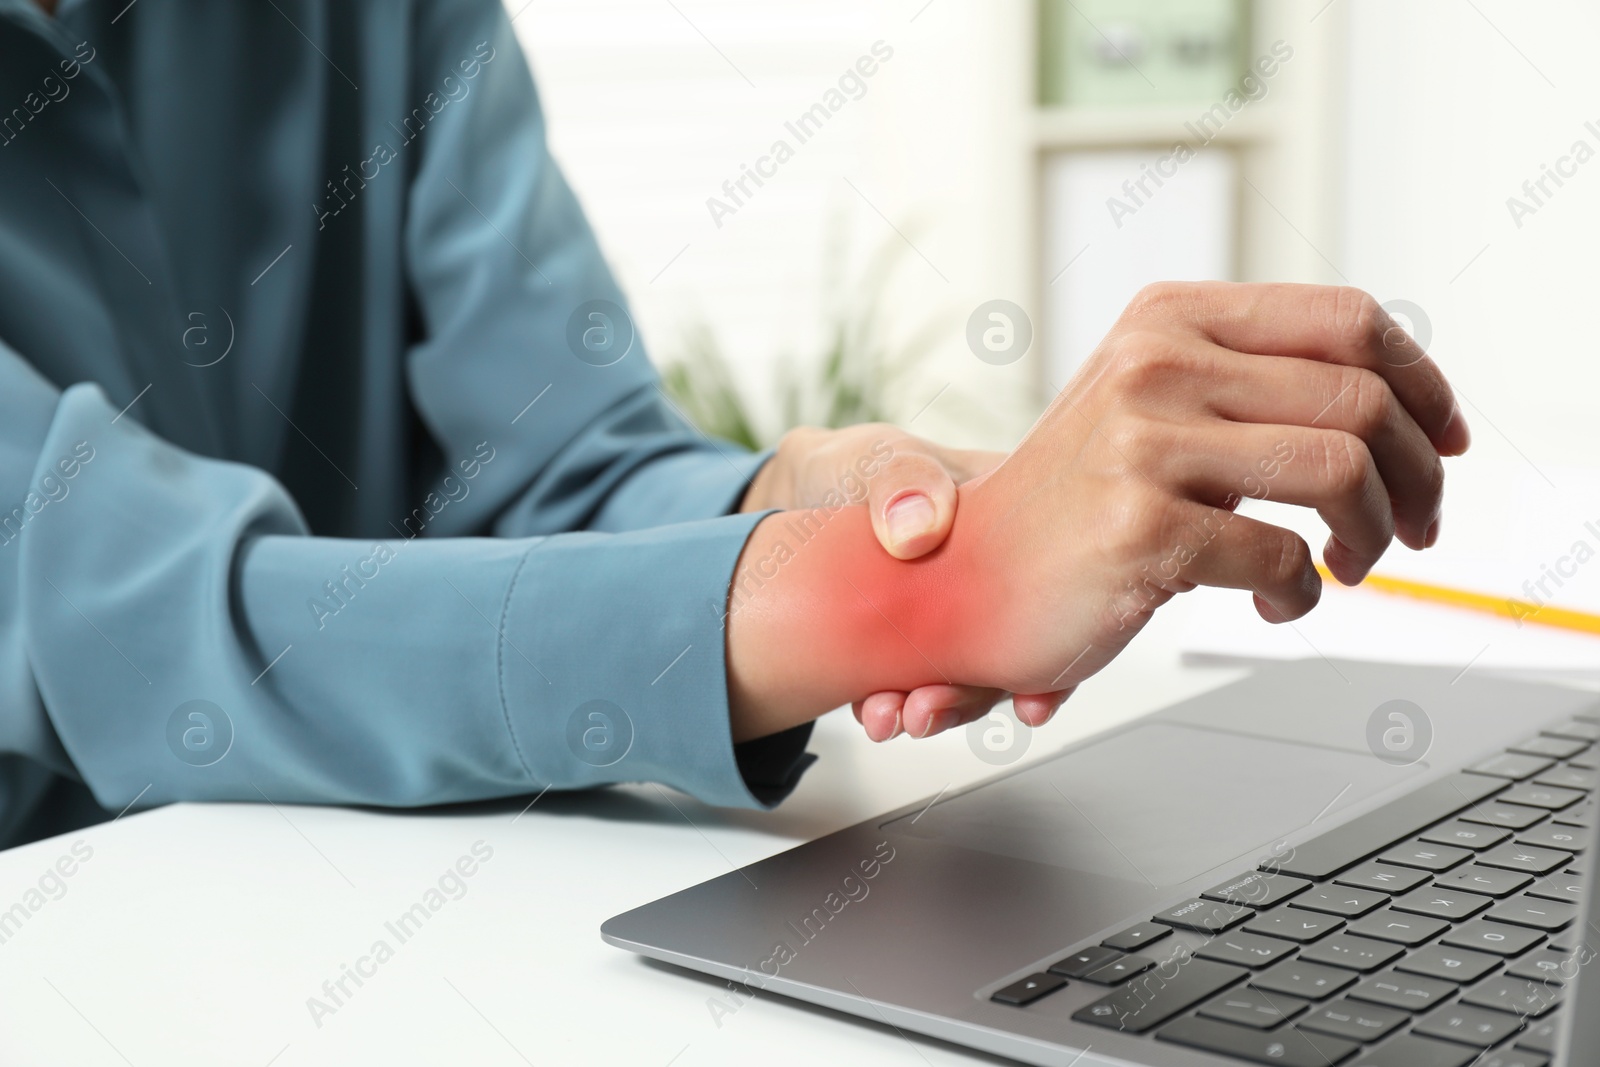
column 174, row 633
column 526, row 334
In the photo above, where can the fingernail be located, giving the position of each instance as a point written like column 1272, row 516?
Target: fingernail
column 909, row 517
column 1430, row 538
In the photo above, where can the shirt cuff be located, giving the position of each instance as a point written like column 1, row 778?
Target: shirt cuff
column 696, row 483
column 613, row 669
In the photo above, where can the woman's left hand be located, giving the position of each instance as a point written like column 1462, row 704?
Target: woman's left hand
column 909, row 486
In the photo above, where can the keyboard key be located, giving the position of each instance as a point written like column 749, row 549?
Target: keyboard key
column 1548, row 966
column 1548, row 797
column 1466, row 835
column 1486, row 880
column 1257, row 889
column 1336, row 901
column 1382, row 877
column 1449, row 904
column 1507, row 816
column 1565, row 888
column 1119, row 970
column 1354, row 1021
column 1205, row 916
column 1297, row 978
column 1081, row 963
column 1546, row 915
column 1366, row 834
column 1518, row 996
column 1355, row 953
column 1408, row 992
column 1581, row 815
column 1470, row 1026
column 1550, row 747
column 1568, row 778
column 1252, row 1007
column 1029, row 989
column 1512, row 765
column 1577, row 730
column 1146, row 1003
column 1244, row 950
column 1514, row 1057
column 1412, row 1051
column 1525, row 858
column 1427, row 857
column 1399, row 927
column 1540, row 1037
column 1289, row 1047
column 1497, row 938
column 1554, row 835
column 1451, row 964
column 1294, row 924
column 1136, row 936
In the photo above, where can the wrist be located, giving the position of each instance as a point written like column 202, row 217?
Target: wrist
column 820, row 615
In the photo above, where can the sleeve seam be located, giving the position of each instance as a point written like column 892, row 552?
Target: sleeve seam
column 500, row 659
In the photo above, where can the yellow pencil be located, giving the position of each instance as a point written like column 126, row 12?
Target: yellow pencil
column 1519, row 610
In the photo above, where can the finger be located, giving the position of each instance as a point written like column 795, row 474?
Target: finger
column 1233, row 551
column 1036, row 709
column 933, row 709
column 1339, row 398
column 1330, row 324
column 879, row 715
column 912, row 500
column 965, row 464
column 1329, row 470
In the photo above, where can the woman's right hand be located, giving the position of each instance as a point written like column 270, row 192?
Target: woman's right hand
column 1124, row 492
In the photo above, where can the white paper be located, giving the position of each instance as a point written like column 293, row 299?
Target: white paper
column 1516, row 537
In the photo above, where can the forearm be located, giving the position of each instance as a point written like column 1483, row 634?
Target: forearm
column 819, row 615
column 397, row 673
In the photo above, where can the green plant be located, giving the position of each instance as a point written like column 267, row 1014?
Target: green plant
column 859, row 375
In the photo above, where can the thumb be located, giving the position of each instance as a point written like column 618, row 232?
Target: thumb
column 913, row 503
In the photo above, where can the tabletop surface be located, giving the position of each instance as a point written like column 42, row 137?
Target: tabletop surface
column 219, row 934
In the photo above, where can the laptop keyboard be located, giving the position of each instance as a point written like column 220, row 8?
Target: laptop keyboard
column 1436, row 931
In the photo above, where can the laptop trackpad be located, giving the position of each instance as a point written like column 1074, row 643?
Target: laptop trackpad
column 1158, row 804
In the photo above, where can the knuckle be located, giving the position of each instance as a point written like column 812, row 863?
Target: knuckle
column 1145, row 358
column 1288, row 559
column 1122, row 441
column 1135, row 443
column 1371, row 402
column 894, row 436
column 1358, row 318
column 1347, row 464
column 1133, row 526
column 1155, row 297
column 1433, row 481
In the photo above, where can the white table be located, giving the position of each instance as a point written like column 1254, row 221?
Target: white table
column 197, row 933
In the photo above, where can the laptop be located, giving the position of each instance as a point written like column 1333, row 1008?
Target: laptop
column 1326, row 864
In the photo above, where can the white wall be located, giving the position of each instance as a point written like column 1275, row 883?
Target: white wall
column 649, row 120
column 1452, row 106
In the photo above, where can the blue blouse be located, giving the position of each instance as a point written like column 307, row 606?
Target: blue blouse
column 332, row 469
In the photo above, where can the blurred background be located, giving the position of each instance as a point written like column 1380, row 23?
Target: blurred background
column 1058, row 154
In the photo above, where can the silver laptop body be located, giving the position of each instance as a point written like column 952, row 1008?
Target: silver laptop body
column 1199, row 827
